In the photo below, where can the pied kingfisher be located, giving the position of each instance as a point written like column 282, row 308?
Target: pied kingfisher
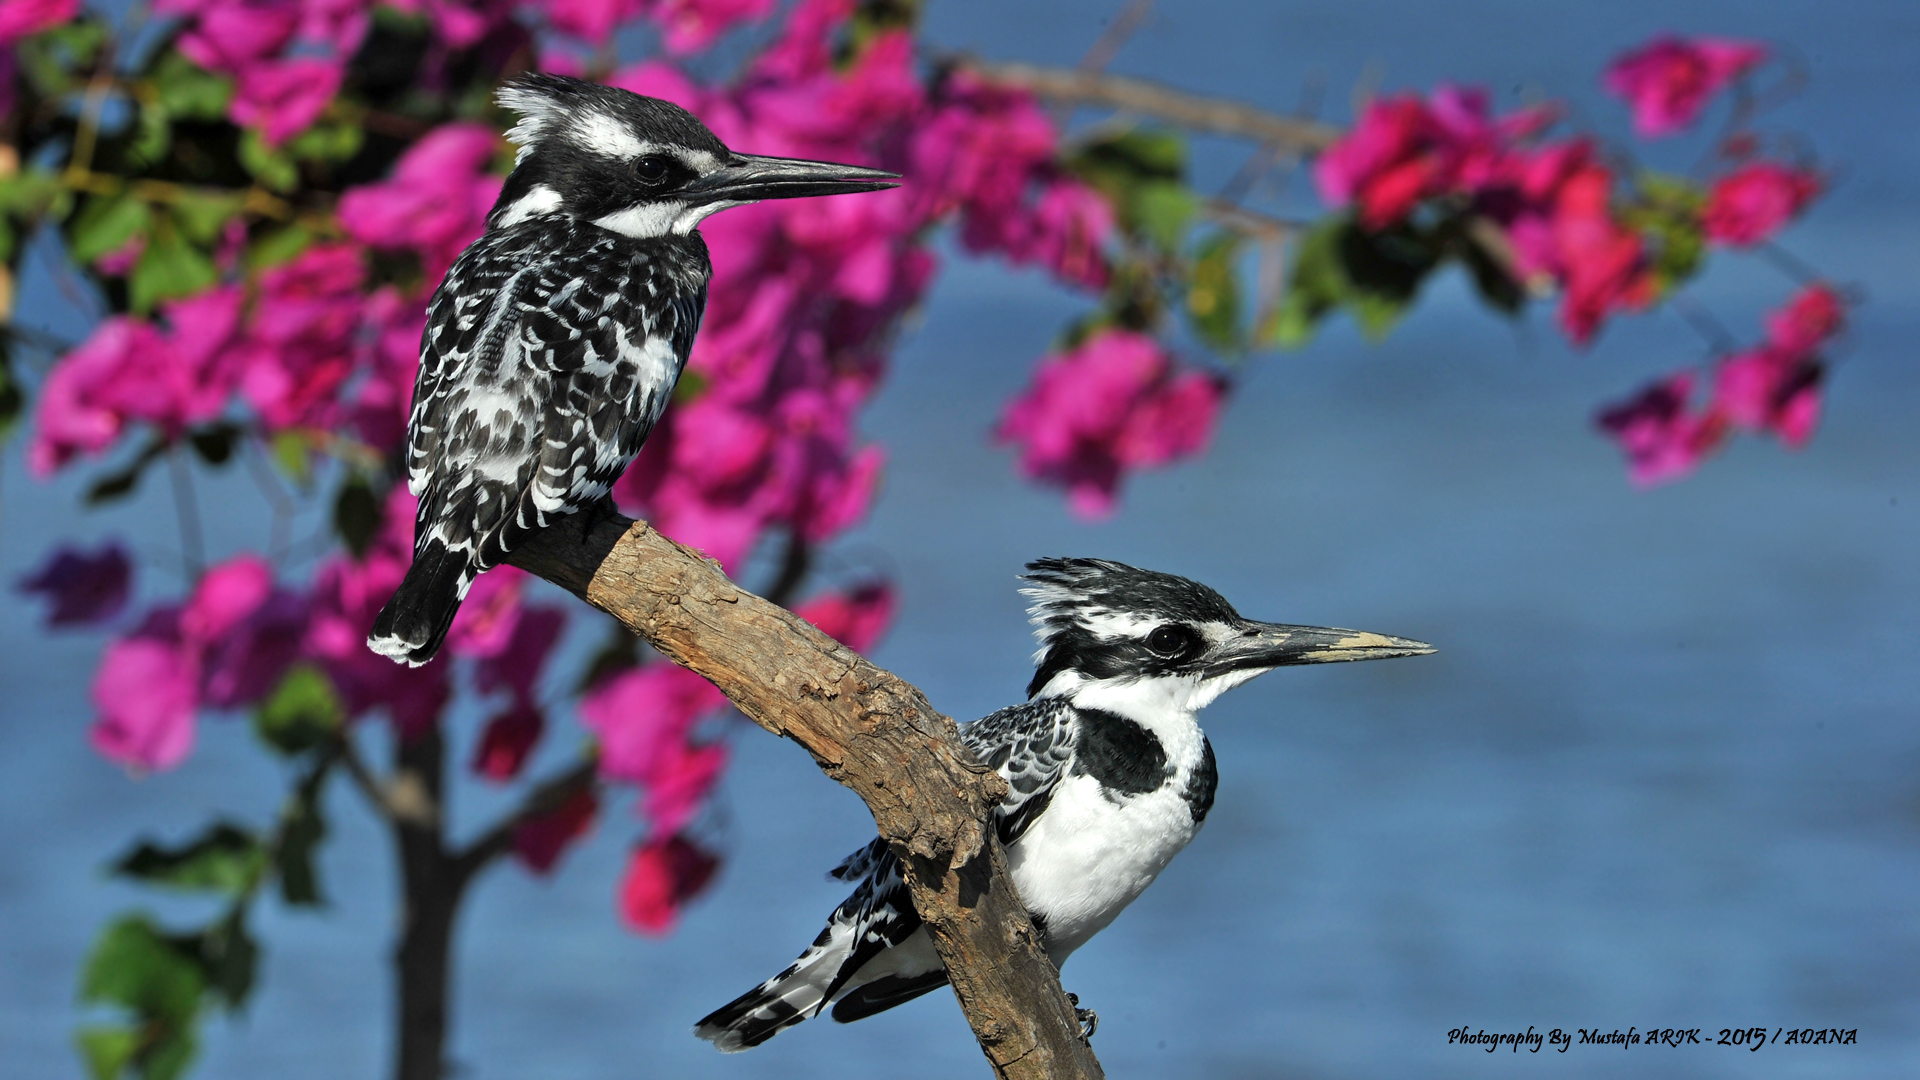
column 1109, row 776
column 555, row 341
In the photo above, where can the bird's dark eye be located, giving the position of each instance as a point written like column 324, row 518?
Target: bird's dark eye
column 652, row 169
column 1171, row 640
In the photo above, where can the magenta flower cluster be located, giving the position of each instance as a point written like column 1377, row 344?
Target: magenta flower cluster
column 763, row 440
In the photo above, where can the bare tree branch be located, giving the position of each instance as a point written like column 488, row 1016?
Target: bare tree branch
column 545, row 798
column 867, row 729
column 1218, row 116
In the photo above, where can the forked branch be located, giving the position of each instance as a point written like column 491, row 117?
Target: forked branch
column 869, row 730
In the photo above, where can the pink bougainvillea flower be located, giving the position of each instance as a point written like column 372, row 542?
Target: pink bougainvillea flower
column 1602, row 265
column 682, row 784
column 1668, row 81
column 487, row 618
column 540, row 841
column 642, row 717
column 1814, row 315
column 146, row 691
column 435, row 202
column 224, row 596
column 243, row 665
column 1116, row 402
column 23, row 18
column 232, row 37
column 300, row 346
column 590, row 20
column 689, row 26
column 507, row 741
column 1393, row 158
column 516, row 668
column 345, row 596
column 1072, row 223
column 1772, row 390
column 855, row 619
column 83, row 587
column 1750, row 204
column 661, row 878
column 77, row 413
column 459, row 24
column 1661, row 436
column 282, row 98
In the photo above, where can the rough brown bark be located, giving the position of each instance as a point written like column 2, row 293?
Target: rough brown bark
column 867, row 729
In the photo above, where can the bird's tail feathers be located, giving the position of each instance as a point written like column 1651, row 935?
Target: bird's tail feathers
column 782, row 1001
column 411, row 628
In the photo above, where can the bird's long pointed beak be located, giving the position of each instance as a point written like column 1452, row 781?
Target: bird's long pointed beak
column 749, row 178
column 1270, row 645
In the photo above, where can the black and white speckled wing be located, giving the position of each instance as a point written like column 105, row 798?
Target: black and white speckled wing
column 1030, row 745
column 549, row 354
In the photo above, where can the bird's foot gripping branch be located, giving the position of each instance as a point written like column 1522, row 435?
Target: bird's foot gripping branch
column 869, row 730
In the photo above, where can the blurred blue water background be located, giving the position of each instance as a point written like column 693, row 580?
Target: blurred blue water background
column 1663, row 771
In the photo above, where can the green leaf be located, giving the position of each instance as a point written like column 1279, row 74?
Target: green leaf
column 1385, row 271
column 1374, row 275
column 231, row 958
column 190, row 91
column 106, row 223
column 120, row 483
column 1213, row 293
column 153, row 135
column 280, row 246
column 1160, row 210
column 215, row 445
column 1491, row 279
column 135, row 966
column 12, row 401
column 226, row 858
column 30, row 192
column 292, row 451
column 326, row 142
column 356, row 515
column 55, row 60
column 203, row 214
column 1316, row 285
column 109, row 1050
column 303, row 712
column 691, row 385
column 1123, row 159
column 272, row 166
column 1143, row 174
column 302, row 829
column 170, row 267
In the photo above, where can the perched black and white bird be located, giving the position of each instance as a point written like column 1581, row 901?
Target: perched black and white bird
column 1109, row 776
column 556, row 340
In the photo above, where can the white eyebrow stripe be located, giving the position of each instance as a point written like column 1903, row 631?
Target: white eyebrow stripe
column 601, row 133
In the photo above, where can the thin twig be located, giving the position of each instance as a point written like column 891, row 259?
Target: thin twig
column 1800, row 270
column 546, row 797
column 363, row 778
column 1217, row 116
column 186, row 510
column 1104, row 49
column 280, row 538
column 1719, row 338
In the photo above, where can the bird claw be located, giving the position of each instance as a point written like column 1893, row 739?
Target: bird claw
column 1088, row 1019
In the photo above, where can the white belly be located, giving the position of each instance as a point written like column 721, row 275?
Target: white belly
column 1088, row 856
